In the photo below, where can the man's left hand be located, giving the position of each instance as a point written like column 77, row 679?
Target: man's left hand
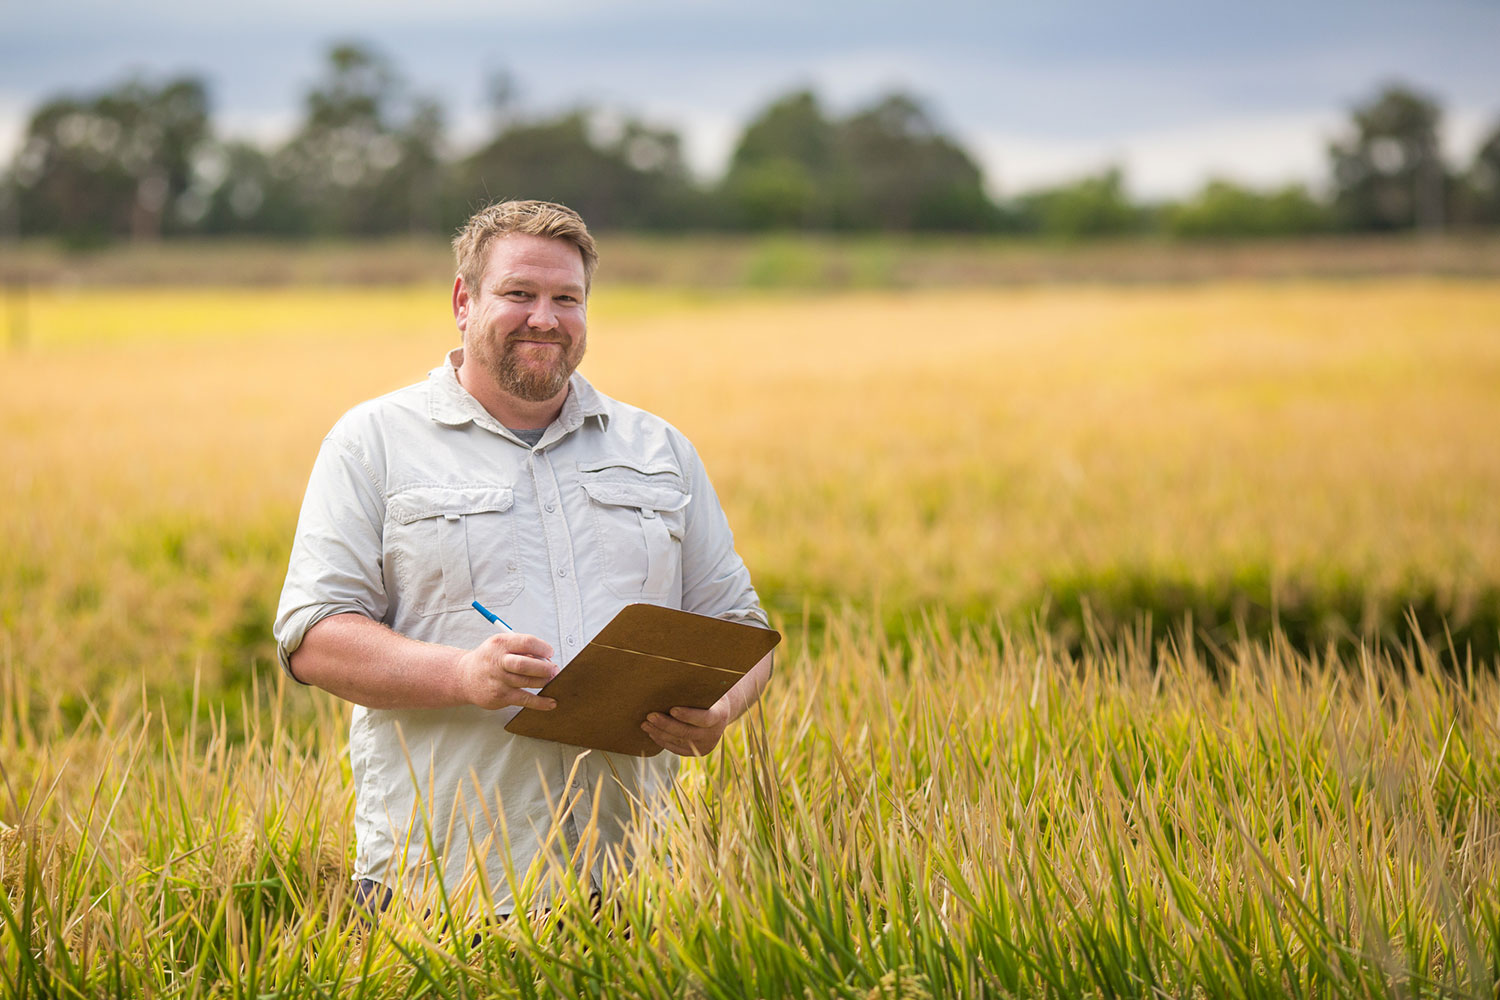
column 688, row 732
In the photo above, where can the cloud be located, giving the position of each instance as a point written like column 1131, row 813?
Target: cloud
column 15, row 111
column 1167, row 163
column 1171, row 89
column 1260, row 151
column 1256, row 150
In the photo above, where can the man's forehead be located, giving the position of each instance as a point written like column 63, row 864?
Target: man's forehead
column 519, row 257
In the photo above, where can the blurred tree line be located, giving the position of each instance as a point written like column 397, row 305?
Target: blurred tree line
column 369, row 157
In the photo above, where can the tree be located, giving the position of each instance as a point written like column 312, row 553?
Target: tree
column 782, row 173
column 366, row 158
column 1482, row 183
column 904, row 174
column 887, row 166
column 615, row 173
column 240, row 193
column 1090, row 206
column 413, row 185
column 1389, row 173
column 1223, row 208
column 111, row 165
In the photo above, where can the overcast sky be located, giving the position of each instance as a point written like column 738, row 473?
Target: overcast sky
column 1173, row 90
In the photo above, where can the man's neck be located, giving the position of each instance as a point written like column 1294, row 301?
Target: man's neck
column 510, row 410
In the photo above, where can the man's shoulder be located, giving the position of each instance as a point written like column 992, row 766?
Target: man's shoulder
column 619, row 412
column 629, row 422
column 411, row 403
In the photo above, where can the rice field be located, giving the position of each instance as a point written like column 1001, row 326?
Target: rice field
column 1142, row 642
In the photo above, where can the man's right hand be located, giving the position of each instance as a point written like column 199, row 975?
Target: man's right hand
column 497, row 672
column 362, row 661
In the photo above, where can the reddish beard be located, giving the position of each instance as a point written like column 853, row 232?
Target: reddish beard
column 527, row 378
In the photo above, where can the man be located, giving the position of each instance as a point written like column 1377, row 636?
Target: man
column 508, row 479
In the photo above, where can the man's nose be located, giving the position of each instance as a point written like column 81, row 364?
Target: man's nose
column 543, row 316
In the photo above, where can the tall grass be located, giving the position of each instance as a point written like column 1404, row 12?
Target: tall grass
column 956, row 816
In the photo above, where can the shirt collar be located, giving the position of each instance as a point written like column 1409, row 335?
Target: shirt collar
column 451, row 405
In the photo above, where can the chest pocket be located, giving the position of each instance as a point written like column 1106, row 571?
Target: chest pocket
column 638, row 519
column 452, row 545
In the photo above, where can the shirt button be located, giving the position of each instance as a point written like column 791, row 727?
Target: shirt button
column 572, row 641
column 551, row 508
column 563, row 571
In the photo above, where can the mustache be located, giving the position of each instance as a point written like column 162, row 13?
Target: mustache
column 538, row 338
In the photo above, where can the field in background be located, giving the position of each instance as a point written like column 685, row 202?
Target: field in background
column 787, row 260
column 1323, row 452
column 937, row 796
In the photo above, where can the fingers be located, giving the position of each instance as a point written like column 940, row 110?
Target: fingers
column 700, row 717
column 526, row 699
column 519, row 643
column 680, row 745
column 524, row 660
column 526, row 671
column 687, row 732
column 499, row 671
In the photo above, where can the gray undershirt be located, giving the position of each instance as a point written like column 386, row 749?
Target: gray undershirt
column 531, row 437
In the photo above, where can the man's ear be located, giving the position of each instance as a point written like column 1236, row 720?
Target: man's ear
column 462, row 303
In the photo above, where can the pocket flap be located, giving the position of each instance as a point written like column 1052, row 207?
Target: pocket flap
column 447, row 501
column 637, row 495
column 657, row 467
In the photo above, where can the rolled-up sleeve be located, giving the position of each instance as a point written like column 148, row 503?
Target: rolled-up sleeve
column 715, row 581
column 336, row 562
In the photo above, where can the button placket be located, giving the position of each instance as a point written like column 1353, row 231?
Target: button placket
column 559, row 549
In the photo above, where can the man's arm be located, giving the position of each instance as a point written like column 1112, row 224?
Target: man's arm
column 716, row 583
column 362, row 661
column 694, row 732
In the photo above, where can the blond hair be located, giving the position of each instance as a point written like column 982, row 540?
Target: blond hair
column 531, row 218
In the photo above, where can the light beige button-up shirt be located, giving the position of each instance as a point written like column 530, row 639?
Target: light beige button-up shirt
column 419, row 503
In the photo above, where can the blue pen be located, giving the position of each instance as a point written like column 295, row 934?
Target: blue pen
column 494, row 618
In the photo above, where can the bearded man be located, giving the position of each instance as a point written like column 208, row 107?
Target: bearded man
column 504, row 478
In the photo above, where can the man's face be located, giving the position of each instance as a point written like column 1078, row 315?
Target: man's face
column 525, row 324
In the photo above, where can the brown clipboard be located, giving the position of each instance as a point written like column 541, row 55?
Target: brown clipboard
column 647, row 659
